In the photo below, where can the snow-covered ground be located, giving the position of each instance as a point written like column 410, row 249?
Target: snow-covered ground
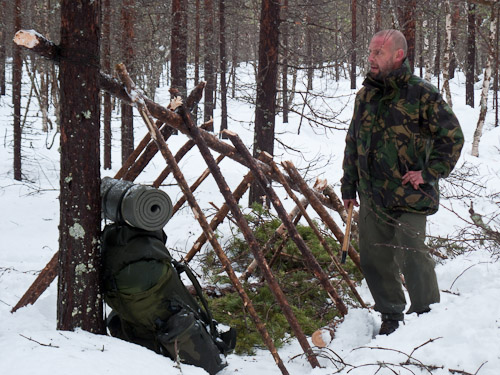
column 460, row 335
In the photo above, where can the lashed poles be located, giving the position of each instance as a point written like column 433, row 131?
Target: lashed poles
column 200, row 216
column 250, row 238
column 278, row 233
column 315, row 229
column 220, row 215
column 319, row 208
column 311, row 262
column 195, row 186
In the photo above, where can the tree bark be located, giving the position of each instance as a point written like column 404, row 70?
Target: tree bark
column 486, row 84
column 17, row 71
column 409, row 30
column 265, row 105
column 3, row 31
column 284, row 69
column 79, row 301
column 127, row 116
column 106, row 62
column 179, row 42
column 223, row 65
column 209, row 61
column 196, row 52
column 447, row 54
column 353, row 46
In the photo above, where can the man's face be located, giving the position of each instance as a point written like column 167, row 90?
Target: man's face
column 383, row 58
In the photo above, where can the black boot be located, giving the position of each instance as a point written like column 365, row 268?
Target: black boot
column 388, row 327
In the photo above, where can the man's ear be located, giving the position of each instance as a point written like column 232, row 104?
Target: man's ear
column 400, row 55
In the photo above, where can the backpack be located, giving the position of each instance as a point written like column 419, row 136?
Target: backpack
column 150, row 304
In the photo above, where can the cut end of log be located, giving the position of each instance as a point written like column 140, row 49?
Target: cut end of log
column 26, row 38
column 229, row 133
column 322, row 337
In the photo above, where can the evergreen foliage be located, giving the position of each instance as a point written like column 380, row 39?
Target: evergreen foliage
column 309, row 301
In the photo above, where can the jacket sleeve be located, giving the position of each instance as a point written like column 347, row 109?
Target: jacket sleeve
column 349, row 181
column 447, row 140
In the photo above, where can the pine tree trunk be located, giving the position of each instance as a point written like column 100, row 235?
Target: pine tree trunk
column 3, row 30
column 409, row 30
column 486, row 84
column 265, row 106
column 127, row 117
column 209, row 59
column 284, row 71
column 223, row 65
column 437, row 60
column 378, row 18
column 455, row 18
column 471, row 55
column 17, row 70
column 179, row 42
column 79, row 300
column 353, row 46
column 106, row 62
column 196, row 52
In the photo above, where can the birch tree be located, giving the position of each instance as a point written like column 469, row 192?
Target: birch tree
column 486, row 82
column 447, row 53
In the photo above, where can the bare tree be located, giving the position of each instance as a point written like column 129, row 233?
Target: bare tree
column 17, row 71
column 79, row 301
column 209, row 59
column 486, row 82
column 223, row 65
column 267, row 75
column 447, row 53
column 127, row 21
column 409, row 27
column 3, row 28
column 353, row 50
column 179, row 43
column 106, row 61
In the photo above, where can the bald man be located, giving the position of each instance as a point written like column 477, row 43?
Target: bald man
column 402, row 139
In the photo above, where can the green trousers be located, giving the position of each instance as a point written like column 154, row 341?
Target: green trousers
column 390, row 245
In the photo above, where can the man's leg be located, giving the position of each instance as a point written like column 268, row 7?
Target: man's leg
column 379, row 264
column 416, row 262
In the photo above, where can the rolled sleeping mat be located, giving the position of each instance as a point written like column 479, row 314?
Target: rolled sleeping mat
column 140, row 206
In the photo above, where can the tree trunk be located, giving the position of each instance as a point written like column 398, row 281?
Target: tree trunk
column 378, row 18
column 437, row 60
column 409, row 30
column 265, row 106
column 471, row 55
column 79, row 300
column 486, row 84
column 455, row 18
column 447, row 54
column 284, row 70
column 196, row 53
column 209, row 57
column 178, row 61
column 223, row 66
column 17, row 71
column 3, row 30
column 353, row 46
column 106, row 61
column 127, row 23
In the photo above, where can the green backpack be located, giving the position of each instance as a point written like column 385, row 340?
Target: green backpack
column 151, row 305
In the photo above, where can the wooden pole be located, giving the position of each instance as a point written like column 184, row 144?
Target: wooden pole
column 320, row 209
column 318, row 234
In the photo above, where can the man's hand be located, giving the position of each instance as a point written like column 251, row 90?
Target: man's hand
column 348, row 202
column 414, row 178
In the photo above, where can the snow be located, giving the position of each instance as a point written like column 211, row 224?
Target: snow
column 461, row 333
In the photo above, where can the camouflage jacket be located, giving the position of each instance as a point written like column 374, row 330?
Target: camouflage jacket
column 400, row 124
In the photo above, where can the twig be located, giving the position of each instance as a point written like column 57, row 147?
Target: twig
column 39, row 343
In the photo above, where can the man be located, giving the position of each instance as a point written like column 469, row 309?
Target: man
column 402, row 139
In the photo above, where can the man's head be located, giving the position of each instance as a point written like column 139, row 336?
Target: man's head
column 388, row 50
